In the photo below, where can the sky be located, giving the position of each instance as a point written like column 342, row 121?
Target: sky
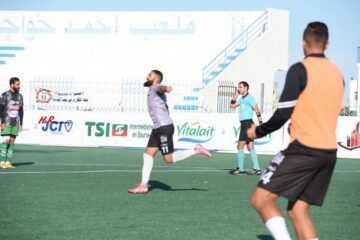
column 341, row 17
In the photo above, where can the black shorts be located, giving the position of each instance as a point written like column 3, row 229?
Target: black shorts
column 244, row 126
column 300, row 172
column 162, row 138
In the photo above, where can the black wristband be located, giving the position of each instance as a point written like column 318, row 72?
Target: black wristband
column 258, row 114
column 233, row 101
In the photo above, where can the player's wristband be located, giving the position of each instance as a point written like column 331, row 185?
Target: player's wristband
column 258, row 114
column 233, row 101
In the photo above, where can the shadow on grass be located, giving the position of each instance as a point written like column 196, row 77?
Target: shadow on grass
column 229, row 170
column 22, row 164
column 264, row 237
column 163, row 186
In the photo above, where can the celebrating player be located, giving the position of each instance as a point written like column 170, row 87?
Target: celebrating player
column 312, row 99
column 162, row 134
column 247, row 106
column 12, row 113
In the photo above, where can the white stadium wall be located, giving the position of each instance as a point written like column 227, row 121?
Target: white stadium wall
column 354, row 102
column 88, row 49
column 354, row 91
column 260, row 61
column 215, row 131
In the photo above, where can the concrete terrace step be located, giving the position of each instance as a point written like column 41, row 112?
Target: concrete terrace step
column 223, row 65
column 239, row 50
column 191, row 98
column 207, row 81
column 186, row 107
column 214, row 73
column 231, row 58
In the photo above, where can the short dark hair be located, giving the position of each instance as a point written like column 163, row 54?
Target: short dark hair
column 245, row 84
column 316, row 33
column 159, row 74
column 13, row 80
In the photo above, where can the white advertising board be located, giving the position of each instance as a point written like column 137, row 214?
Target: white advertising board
column 215, row 131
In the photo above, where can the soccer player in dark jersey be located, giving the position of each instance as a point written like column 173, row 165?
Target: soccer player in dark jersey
column 247, row 106
column 12, row 113
column 161, row 137
column 311, row 99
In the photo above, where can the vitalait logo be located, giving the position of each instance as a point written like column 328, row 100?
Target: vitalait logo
column 352, row 141
column 195, row 132
column 264, row 140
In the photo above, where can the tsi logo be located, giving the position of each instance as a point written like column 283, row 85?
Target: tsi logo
column 102, row 129
column 49, row 124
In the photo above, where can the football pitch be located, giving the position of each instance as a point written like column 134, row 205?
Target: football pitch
column 81, row 193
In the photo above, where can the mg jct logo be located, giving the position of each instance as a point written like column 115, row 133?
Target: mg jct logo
column 49, row 124
column 102, row 129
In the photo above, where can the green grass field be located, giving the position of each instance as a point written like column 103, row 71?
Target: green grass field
column 81, row 193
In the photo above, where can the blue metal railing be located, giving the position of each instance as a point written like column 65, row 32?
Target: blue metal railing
column 235, row 48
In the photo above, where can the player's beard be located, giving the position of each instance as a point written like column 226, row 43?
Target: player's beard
column 148, row 83
column 17, row 90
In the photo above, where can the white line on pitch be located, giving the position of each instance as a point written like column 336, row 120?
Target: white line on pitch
column 113, row 171
column 117, row 165
column 137, row 171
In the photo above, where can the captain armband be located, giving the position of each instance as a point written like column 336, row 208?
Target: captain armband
column 258, row 114
column 233, row 101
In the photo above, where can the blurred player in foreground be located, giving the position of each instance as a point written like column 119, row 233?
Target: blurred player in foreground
column 312, row 99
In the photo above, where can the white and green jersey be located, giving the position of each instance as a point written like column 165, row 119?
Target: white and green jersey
column 11, row 108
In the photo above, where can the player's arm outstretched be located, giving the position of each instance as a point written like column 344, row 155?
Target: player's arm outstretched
column 164, row 89
column 295, row 83
column 233, row 103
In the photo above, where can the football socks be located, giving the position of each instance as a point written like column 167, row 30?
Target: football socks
column 240, row 156
column 3, row 151
column 277, row 227
column 10, row 152
column 182, row 154
column 147, row 167
column 254, row 159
